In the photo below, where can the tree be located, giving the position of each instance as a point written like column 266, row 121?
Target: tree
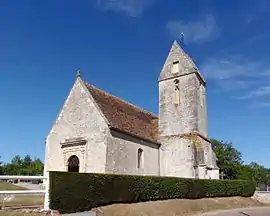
column 11, row 169
column 230, row 162
column 25, row 166
column 26, row 162
column 245, row 172
column 1, row 167
column 255, row 172
column 37, row 167
column 260, row 173
column 17, row 160
column 228, row 158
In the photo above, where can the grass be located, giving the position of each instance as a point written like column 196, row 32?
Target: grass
column 19, row 200
column 6, row 186
column 25, row 201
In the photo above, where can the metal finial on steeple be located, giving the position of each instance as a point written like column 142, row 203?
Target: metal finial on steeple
column 182, row 38
column 78, row 73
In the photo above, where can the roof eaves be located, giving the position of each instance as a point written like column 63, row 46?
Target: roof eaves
column 135, row 136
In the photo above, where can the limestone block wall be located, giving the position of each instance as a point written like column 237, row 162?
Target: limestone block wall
column 202, row 109
column 79, row 117
column 209, row 154
column 261, row 196
column 176, row 54
column 177, row 157
column 122, row 155
column 214, row 173
column 202, row 172
column 182, row 118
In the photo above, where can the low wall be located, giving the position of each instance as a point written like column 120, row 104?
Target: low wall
column 262, row 196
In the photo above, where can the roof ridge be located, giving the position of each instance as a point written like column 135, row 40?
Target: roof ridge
column 188, row 57
column 124, row 101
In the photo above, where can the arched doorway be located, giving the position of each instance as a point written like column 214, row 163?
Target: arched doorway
column 73, row 164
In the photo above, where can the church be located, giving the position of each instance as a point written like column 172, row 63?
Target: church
column 96, row 132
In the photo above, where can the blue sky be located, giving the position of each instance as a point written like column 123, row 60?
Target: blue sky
column 120, row 46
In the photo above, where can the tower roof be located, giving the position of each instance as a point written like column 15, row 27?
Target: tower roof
column 178, row 55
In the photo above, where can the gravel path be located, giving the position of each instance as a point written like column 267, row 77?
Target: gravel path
column 31, row 186
column 259, row 211
column 81, row 214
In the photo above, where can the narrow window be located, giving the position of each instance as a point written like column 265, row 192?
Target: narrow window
column 140, row 155
column 201, row 96
column 176, row 92
column 175, row 67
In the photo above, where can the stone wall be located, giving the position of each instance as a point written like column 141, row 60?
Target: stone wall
column 79, row 117
column 191, row 115
column 202, row 109
column 208, row 163
column 261, row 196
column 122, row 155
column 115, row 152
column 177, row 157
column 178, row 119
column 209, row 154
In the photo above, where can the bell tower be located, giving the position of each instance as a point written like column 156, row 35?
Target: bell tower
column 182, row 110
column 182, row 103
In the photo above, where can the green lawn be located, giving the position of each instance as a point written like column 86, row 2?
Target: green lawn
column 26, row 201
column 20, row 200
column 6, row 186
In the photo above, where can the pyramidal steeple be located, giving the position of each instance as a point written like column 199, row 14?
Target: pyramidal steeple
column 177, row 63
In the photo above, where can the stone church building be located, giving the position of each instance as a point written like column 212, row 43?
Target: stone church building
column 100, row 133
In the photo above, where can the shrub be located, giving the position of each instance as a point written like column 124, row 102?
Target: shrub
column 75, row 192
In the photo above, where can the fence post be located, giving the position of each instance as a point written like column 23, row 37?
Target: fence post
column 47, row 191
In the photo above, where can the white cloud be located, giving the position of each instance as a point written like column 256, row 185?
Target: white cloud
column 261, row 104
column 132, row 8
column 259, row 92
column 195, row 31
column 245, row 78
column 231, row 67
column 232, row 85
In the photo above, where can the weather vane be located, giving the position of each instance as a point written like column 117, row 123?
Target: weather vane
column 78, row 73
column 182, row 38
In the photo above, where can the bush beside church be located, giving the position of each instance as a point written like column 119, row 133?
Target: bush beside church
column 76, row 192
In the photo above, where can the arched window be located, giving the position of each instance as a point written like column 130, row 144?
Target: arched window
column 140, row 158
column 176, row 92
column 73, row 164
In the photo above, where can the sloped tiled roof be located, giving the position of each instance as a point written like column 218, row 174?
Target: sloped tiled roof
column 124, row 116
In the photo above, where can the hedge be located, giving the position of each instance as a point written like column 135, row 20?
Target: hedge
column 76, row 192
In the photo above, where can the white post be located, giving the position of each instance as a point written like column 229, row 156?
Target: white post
column 47, row 190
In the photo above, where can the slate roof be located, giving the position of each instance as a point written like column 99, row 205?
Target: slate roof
column 125, row 117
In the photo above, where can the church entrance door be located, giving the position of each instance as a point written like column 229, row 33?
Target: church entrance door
column 73, row 164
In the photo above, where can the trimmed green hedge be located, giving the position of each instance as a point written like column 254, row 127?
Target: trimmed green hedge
column 76, row 192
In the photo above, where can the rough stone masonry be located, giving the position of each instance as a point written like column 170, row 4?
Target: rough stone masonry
column 98, row 132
